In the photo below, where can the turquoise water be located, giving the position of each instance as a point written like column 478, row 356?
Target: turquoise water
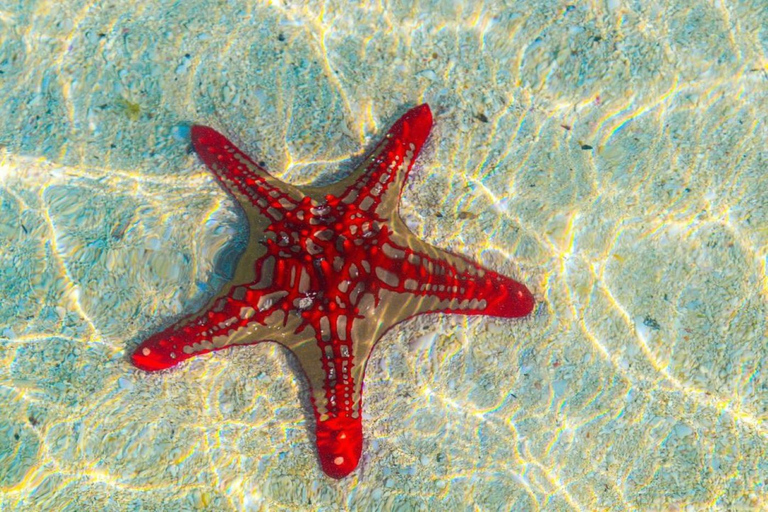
column 610, row 155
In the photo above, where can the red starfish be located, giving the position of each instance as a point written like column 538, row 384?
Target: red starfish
column 327, row 271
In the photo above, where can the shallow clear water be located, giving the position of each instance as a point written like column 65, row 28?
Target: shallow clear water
column 610, row 155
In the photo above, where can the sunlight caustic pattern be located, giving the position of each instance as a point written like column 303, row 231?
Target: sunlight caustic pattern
column 608, row 155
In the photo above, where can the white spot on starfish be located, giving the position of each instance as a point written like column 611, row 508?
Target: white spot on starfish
column 304, row 303
column 387, row 277
column 393, row 252
column 341, row 329
column 366, row 203
column 325, row 328
column 303, row 281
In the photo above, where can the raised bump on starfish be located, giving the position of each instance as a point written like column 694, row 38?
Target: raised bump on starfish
column 326, row 272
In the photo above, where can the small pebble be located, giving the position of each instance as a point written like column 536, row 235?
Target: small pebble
column 682, row 430
column 181, row 132
column 428, row 74
column 184, row 65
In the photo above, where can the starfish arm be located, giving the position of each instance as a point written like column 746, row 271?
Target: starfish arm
column 335, row 376
column 250, row 184
column 242, row 314
column 378, row 181
column 213, row 328
column 432, row 280
column 339, row 442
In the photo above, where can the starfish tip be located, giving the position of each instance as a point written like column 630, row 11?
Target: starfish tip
column 203, row 135
column 514, row 300
column 151, row 357
column 415, row 125
column 339, row 445
column 423, row 112
column 523, row 302
column 145, row 362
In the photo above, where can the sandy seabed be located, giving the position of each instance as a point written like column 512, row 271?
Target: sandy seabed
column 610, row 155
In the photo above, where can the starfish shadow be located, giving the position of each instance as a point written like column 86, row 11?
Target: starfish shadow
column 222, row 270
